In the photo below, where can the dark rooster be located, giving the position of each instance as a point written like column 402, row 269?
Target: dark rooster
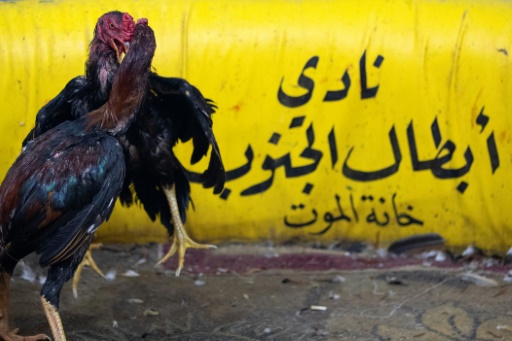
column 64, row 184
column 173, row 111
column 83, row 94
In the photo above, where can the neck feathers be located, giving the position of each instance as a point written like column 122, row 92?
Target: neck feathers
column 129, row 87
column 101, row 65
column 125, row 99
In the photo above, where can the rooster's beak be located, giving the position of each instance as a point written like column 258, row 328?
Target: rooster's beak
column 118, row 54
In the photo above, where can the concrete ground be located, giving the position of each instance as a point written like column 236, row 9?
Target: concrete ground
column 266, row 293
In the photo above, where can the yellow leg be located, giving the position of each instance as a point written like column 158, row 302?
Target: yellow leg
column 53, row 317
column 88, row 260
column 180, row 241
column 5, row 333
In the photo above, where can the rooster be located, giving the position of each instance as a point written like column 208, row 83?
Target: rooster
column 82, row 94
column 173, row 111
column 63, row 186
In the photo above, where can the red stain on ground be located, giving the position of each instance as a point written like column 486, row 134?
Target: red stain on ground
column 207, row 262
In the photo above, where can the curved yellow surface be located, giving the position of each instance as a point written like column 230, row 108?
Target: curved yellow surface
column 362, row 120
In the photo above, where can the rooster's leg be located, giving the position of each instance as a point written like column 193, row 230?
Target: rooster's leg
column 53, row 317
column 5, row 333
column 88, row 260
column 180, row 241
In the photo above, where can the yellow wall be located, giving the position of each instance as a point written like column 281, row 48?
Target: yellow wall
column 408, row 64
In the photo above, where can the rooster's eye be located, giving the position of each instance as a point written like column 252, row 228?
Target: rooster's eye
column 111, row 25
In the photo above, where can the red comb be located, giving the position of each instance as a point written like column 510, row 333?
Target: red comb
column 142, row 21
column 127, row 17
column 128, row 24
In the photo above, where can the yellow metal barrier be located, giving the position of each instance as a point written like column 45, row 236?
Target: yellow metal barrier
column 361, row 120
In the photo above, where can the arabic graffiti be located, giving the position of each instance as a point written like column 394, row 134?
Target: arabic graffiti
column 436, row 165
column 310, row 154
column 482, row 120
column 285, row 161
column 379, row 174
column 329, row 218
column 304, row 82
column 308, row 84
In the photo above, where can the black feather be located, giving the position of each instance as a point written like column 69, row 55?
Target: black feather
column 70, row 173
column 174, row 111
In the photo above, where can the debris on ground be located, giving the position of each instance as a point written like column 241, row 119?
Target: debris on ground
column 111, row 275
column 131, row 273
column 508, row 277
column 151, row 312
column 338, row 279
column 479, row 280
column 418, row 242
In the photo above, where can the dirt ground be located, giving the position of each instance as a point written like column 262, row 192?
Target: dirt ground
column 273, row 293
